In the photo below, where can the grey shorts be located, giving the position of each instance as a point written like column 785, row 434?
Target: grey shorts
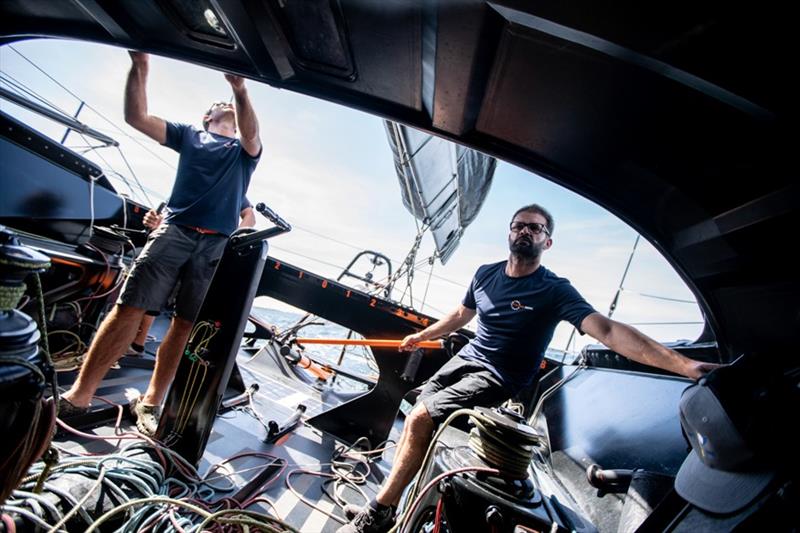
column 461, row 384
column 173, row 253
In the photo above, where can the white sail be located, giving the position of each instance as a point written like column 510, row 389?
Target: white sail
column 443, row 184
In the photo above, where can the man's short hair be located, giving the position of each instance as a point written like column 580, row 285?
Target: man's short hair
column 215, row 105
column 536, row 208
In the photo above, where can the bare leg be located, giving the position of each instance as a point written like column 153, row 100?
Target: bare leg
column 414, row 441
column 167, row 359
column 113, row 338
column 144, row 328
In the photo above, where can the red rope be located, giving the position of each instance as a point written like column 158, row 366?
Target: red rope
column 437, row 527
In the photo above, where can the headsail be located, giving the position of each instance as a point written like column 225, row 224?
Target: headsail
column 443, row 184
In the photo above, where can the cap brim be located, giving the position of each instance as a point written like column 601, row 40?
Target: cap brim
column 718, row 491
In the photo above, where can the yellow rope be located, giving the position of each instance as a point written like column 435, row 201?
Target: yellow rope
column 205, row 331
column 204, row 366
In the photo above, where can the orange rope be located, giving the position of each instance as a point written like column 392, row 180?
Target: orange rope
column 377, row 343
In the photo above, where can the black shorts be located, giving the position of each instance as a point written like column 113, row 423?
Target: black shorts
column 461, row 384
column 173, row 253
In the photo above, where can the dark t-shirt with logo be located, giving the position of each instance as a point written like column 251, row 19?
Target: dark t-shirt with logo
column 213, row 174
column 516, row 319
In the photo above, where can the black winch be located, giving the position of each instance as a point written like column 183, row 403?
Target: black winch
column 26, row 420
column 478, row 501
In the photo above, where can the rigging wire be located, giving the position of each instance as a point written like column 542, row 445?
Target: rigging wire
column 292, row 252
column 406, row 269
column 141, row 144
column 37, row 67
column 122, row 177
column 21, row 87
column 83, row 150
column 656, row 297
column 135, row 177
column 141, row 138
column 349, row 245
column 431, row 262
column 360, row 248
column 615, row 300
column 111, row 122
column 116, row 176
column 109, row 169
column 25, row 91
column 101, row 115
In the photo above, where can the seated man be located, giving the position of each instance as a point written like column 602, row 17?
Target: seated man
column 519, row 303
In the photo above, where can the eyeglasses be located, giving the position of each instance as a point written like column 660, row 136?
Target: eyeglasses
column 535, row 227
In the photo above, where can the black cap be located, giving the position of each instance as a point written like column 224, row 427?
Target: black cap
column 732, row 420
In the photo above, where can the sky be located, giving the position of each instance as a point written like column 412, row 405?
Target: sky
column 328, row 171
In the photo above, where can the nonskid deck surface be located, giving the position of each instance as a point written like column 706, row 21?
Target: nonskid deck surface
column 305, row 448
column 235, row 432
column 284, row 394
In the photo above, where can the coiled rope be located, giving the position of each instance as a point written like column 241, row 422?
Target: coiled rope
column 502, row 447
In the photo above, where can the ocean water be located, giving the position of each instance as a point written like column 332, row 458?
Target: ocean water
column 357, row 359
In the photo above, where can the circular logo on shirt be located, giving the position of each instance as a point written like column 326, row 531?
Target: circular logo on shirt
column 517, row 306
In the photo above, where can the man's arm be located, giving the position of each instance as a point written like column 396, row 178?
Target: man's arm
column 248, row 218
column 637, row 346
column 459, row 318
column 136, row 100
column 245, row 116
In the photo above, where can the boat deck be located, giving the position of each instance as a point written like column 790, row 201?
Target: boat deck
column 304, row 449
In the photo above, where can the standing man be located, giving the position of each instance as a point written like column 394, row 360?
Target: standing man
column 151, row 221
column 519, row 303
column 207, row 198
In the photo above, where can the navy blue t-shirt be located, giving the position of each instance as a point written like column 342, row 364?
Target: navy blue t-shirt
column 213, row 175
column 516, row 320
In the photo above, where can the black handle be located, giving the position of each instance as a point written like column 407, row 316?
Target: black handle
column 272, row 216
column 244, row 241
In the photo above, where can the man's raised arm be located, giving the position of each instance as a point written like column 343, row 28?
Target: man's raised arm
column 245, row 116
column 136, row 100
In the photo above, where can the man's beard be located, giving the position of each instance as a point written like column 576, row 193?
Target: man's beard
column 525, row 248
